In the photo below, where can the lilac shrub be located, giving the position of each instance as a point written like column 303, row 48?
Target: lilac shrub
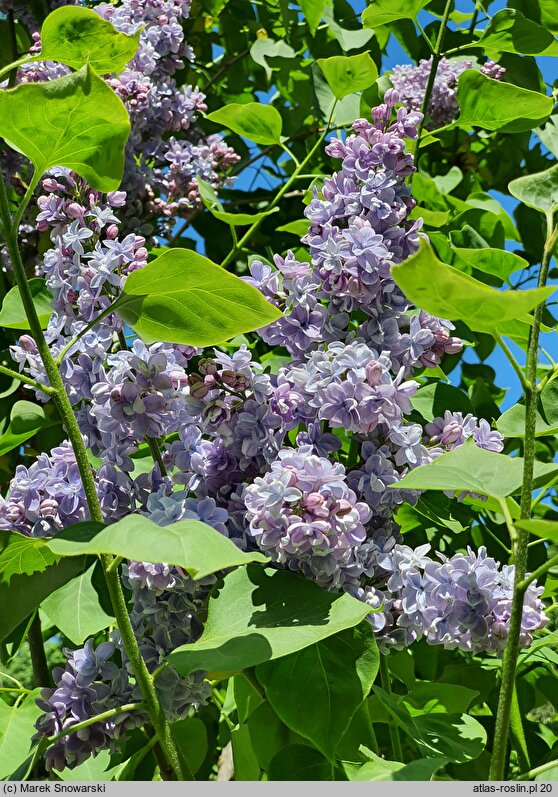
column 258, row 454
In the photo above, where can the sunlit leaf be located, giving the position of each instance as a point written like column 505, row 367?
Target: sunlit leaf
column 347, row 74
column 498, row 262
column 197, row 548
column 446, row 292
column 381, row 12
column 77, row 36
column 538, row 191
column 495, row 105
column 474, row 469
column 313, row 11
column 182, row 297
column 21, row 554
column 510, row 32
column 76, row 121
column 12, row 314
column 260, row 123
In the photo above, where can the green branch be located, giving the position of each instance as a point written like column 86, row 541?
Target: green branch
column 26, row 380
column 437, row 54
column 65, row 409
column 520, row 549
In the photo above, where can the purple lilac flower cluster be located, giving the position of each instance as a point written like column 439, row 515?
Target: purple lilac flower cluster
column 411, row 81
column 167, row 150
column 90, row 684
column 460, row 602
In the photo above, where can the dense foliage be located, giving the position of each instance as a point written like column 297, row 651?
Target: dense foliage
column 263, row 515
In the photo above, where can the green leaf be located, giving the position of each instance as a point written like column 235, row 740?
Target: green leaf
column 17, row 727
column 12, row 314
column 457, row 737
column 265, row 48
column 512, row 422
column 194, row 546
column 247, row 699
column 241, row 219
column 433, row 400
column 76, row 610
column 26, row 419
column 257, row 614
column 381, row 12
column 548, row 134
column 22, row 555
column 493, row 105
column 77, row 36
column 380, row 769
column 435, row 698
column 498, row 262
column 446, row 292
column 268, row 734
column 92, row 769
column 545, row 529
column 510, row 32
column 469, row 467
column 300, row 762
column 313, row 11
column 347, row 74
column 349, row 39
column 76, row 121
column 431, row 218
column 298, row 227
column 25, row 593
column 538, row 191
column 261, row 124
column 333, row 676
column 190, row 736
column 182, row 297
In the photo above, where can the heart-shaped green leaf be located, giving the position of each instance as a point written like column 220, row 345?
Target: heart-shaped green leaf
column 75, row 608
column 261, row 124
column 382, row 12
column 22, row 555
column 538, row 191
column 75, row 121
column 257, row 614
column 347, row 74
column 77, row 36
column 469, row 467
column 182, row 297
column 446, row 292
column 342, row 669
column 510, row 32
